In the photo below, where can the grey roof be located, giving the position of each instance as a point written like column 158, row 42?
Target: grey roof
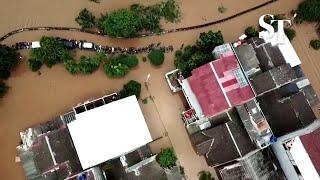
column 273, row 78
column 247, row 57
column 255, row 123
column 255, row 167
column 269, row 56
column 220, row 144
column 286, row 114
column 310, row 95
column 37, row 159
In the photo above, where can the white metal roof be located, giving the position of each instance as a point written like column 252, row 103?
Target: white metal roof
column 191, row 98
column 303, row 161
column 109, row 131
column 286, row 49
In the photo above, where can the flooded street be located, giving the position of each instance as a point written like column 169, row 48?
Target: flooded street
column 35, row 98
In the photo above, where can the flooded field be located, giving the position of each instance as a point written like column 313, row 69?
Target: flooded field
column 33, row 98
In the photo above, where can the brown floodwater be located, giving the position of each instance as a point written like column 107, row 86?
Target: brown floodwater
column 33, row 98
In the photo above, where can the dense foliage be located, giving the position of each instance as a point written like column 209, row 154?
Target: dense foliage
column 50, row 53
column 34, row 64
column 128, row 22
column 315, row 44
column 167, row 158
column 309, row 10
column 3, row 89
column 205, row 175
column 194, row 56
column 208, row 40
column 251, row 32
column 86, row 19
column 131, row 88
column 86, row 65
column 9, row 59
column 119, row 66
column 121, row 23
column 156, row 57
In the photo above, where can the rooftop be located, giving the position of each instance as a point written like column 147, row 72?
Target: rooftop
column 297, row 111
column 223, row 143
column 107, row 127
column 219, row 85
column 248, row 59
column 311, row 143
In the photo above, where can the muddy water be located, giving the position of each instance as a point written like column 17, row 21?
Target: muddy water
column 33, row 98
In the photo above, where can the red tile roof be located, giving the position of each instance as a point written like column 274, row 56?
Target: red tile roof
column 206, row 85
column 311, row 143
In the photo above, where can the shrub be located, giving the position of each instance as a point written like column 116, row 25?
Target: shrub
column 205, row 175
column 315, row 44
column 114, row 68
column 71, row 66
column 209, row 40
column 291, row 33
column 88, row 65
column 251, row 32
column 4, row 74
column 309, row 10
column 86, row 19
column 3, row 89
column 34, row 65
column 167, row 158
column 156, row 57
column 130, row 60
column 121, row 23
column 131, row 88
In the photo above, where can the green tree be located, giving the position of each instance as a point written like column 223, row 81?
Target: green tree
column 131, row 88
column 130, row 60
column 34, row 65
column 205, row 175
column 114, row 68
column 315, row 44
column 251, row 32
column 71, row 66
column 3, row 89
column 209, row 40
column 9, row 59
column 291, row 33
column 51, row 51
column 88, row 65
column 156, row 57
column 170, row 10
column 149, row 17
column 86, row 19
column 121, row 23
column 166, row 158
column 309, row 10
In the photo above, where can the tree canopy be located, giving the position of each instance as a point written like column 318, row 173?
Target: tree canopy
column 50, row 53
column 131, row 88
column 9, row 59
column 251, row 32
column 208, row 40
column 166, row 158
column 205, row 175
column 121, row 23
column 309, row 10
column 86, row 19
column 291, row 33
column 156, row 57
column 119, row 66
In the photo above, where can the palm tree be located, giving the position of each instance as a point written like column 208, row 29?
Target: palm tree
column 205, row 175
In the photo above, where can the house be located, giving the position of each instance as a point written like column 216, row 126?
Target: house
column 248, row 59
column 223, row 143
column 217, row 86
column 256, row 166
column 101, row 133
